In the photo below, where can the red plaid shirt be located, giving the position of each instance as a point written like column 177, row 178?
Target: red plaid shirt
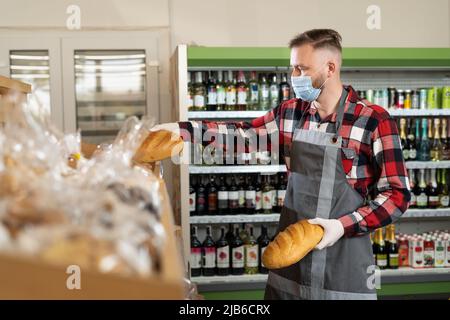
column 378, row 170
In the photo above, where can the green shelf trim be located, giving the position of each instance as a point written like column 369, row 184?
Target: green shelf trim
column 352, row 57
column 397, row 289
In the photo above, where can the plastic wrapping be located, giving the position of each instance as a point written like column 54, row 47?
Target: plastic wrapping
column 102, row 214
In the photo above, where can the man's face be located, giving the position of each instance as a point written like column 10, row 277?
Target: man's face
column 307, row 61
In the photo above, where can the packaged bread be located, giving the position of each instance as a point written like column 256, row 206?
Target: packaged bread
column 292, row 244
column 159, row 145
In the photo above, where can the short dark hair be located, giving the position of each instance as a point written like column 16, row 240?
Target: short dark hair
column 318, row 38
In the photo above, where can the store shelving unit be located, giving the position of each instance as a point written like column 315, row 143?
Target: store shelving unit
column 363, row 68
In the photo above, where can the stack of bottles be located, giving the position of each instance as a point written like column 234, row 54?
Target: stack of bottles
column 429, row 188
column 426, row 250
column 230, row 91
column 236, row 194
column 236, row 252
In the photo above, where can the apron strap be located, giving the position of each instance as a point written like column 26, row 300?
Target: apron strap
column 340, row 110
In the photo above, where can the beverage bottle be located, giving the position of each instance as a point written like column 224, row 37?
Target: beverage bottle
column 403, row 139
column 259, row 196
column 250, row 196
column 230, row 104
column 223, row 254
column 211, row 87
column 266, row 196
column 202, row 206
column 281, row 193
column 253, row 86
column 221, row 92
column 263, row 242
column 209, row 254
column 212, row 196
column 241, row 192
column 190, row 92
column 199, row 93
column 242, row 92
column 444, row 192
column 222, row 197
column 285, row 89
column 391, row 245
column 251, row 254
column 379, row 249
column 421, row 192
column 274, row 92
column 424, row 150
column 237, row 254
column 192, row 197
column 196, row 254
column 264, row 99
column 433, row 194
column 233, row 197
column 412, row 186
column 436, row 148
column 412, row 141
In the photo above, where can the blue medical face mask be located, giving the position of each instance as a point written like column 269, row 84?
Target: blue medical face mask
column 303, row 88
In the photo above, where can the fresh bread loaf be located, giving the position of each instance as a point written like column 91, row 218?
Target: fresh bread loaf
column 292, row 244
column 158, row 145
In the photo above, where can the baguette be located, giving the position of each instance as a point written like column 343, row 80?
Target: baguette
column 292, row 244
column 158, row 145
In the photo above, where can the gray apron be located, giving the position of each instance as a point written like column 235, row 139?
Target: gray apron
column 318, row 187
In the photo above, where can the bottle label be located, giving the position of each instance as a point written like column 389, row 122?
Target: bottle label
column 212, row 201
column 274, row 198
column 413, row 200
column 196, row 258
column 267, row 200
column 242, row 96
column 444, row 201
column 238, row 257
column 382, row 260
column 258, row 200
column 405, row 154
column 221, row 95
column 212, row 97
column 241, row 198
column 199, row 101
column 222, row 195
column 190, row 101
column 201, row 202
column 250, row 199
column 233, row 195
column 223, row 259
column 254, row 93
column 192, row 202
column 231, row 97
column 280, row 197
column 209, row 257
column 412, row 153
column 433, row 199
column 393, row 259
column 262, row 253
column 251, row 256
column 422, row 200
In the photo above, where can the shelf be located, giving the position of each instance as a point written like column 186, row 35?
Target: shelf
column 225, row 114
column 427, row 213
column 258, row 281
column 240, row 218
column 428, row 164
column 387, row 58
column 237, row 169
column 419, row 112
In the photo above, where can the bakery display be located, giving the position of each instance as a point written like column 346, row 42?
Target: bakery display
column 292, row 244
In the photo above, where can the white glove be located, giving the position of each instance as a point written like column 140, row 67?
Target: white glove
column 171, row 126
column 333, row 231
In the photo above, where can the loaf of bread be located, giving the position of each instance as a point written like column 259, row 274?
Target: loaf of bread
column 292, row 244
column 158, row 145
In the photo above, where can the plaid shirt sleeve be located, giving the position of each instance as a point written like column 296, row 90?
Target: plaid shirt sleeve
column 392, row 186
column 264, row 127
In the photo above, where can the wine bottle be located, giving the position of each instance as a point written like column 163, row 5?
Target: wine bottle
column 212, row 196
column 412, row 141
column 436, row 148
column 258, row 198
column 445, row 141
column 230, row 102
column 281, row 193
column 403, row 139
column 211, row 87
column 201, row 198
column 242, row 92
column 241, row 194
column 250, row 196
column 237, row 254
column 379, row 249
column 444, row 193
column 267, row 196
column 263, row 242
column 196, row 254
column 192, row 197
column 412, row 185
column 251, row 254
column 223, row 254
column 433, row 194
column 253, row 92
column 209, row 254
column 222, row 195
column 221, row 92
column 233, row 197
column 421, row 192
column 424, row 150
column 391, row 246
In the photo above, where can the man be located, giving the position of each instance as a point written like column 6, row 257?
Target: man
column 338, row 149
